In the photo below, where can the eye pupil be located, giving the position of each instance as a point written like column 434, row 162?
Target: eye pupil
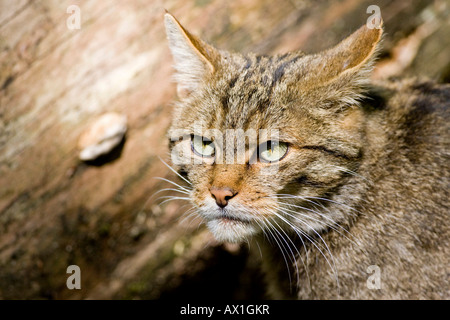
column 202, row 146
column 273, row 151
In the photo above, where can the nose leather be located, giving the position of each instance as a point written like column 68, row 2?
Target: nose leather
column 222, row 195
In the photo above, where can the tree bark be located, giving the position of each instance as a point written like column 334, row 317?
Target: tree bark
column 105, row 217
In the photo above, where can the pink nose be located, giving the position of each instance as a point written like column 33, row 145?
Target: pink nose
column 222, row 195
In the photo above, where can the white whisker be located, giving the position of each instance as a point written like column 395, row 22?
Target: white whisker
column 335, row 202
column 174, row 171
column 331, row 226
column 174, row 183
column 259, row 248
column 189, row 214
column 171, row 198
column 170, row 189
column 332, row 265
column 269, row 228
column 296, row 249
column 353, row 173
column 290, row 196
column 332, row 223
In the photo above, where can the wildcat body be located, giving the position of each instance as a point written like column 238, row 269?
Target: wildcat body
column 358, row 205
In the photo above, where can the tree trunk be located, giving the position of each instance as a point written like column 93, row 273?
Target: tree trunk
column 105, row 216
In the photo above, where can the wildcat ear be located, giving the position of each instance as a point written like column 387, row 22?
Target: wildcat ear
column 338, row 76
column 193, row 58
column 353, row 55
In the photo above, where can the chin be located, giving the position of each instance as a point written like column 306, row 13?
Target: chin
column 230, row 230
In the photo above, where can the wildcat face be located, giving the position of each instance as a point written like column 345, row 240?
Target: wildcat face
column 283, row 183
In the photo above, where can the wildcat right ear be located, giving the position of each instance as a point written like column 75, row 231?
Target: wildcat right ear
column 194, row 59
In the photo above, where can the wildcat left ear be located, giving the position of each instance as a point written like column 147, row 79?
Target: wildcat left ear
column 337, row 78
column 194, row 59
column 353, row 55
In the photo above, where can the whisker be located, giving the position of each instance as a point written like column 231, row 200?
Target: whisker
column 170, row 198
column 174, row 183
column 335, row 202
column 266, row 236
column 353, row 173
column 169, row 189
column 315, row 198
column 331, row 226
column 290, row 196
column 259, row 248
column 334, row 223
column 174, row 171
column 332, row 266
column 257, row 220
column 296, row 249
column 207, row 244
column 269, row 228
column 186, row 215
column 190, row 215
column 299, row 234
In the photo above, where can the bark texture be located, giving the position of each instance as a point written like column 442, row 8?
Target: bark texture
column 103, row 216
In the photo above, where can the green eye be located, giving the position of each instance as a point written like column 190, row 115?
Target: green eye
column 203, row 146
column 273, row 151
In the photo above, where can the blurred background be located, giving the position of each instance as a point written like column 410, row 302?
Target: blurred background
column 56, row 80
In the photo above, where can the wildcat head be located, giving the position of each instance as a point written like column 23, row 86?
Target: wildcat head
column 267, row 140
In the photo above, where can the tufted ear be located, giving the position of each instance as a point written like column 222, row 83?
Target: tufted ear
column 193, row 58
column 351, row 55
column 339, row 75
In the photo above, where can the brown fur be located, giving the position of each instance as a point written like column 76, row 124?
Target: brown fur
column 368, row 163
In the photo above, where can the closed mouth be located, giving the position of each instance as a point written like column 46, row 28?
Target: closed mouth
column 227, row 218
column 231, row 227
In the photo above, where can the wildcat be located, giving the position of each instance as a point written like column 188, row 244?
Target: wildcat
column 357, row 203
